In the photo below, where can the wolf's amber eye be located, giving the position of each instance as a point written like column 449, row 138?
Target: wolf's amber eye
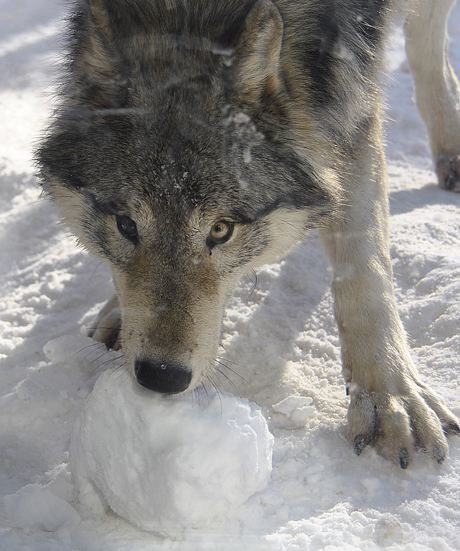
column 127, row 228
column 220, row 233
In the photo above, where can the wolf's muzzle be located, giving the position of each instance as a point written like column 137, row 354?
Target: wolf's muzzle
column 164, row 377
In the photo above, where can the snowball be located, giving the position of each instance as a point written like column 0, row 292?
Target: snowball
column 36, row 507
column 165, row 463
column 62, row 348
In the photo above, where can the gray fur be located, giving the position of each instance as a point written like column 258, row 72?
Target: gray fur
column 197, row 139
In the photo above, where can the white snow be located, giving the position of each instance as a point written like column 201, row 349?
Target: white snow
column 281, row 349
column 168, row 463
column 36, row 507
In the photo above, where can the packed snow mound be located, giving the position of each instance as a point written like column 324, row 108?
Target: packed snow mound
column 36, row 507
column 166, row 463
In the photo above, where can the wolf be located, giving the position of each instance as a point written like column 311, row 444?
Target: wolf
column 196, row 140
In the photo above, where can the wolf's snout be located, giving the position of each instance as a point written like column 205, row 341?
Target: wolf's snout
column 164, row 377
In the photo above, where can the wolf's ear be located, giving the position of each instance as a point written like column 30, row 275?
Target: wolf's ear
column 258, row 51
column 95, row 66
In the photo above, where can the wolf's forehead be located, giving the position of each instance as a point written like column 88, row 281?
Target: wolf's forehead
column 171, row 190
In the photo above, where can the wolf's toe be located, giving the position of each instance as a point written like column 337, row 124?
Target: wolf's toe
column 359, row 443
column 107, row 327
column 403, row 458
column 361, row 419
column 108, row 333
column 448, row 172
column 451, row 428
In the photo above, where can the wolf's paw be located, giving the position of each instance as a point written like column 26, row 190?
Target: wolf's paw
column 398, row 426
column 107, row 327
column 448, row 172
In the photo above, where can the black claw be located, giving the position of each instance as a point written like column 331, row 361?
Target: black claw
column 439, row 454
column 450, row 182
column 403, row 458
column 112, row 339
column 452, row 428
column 359, row 444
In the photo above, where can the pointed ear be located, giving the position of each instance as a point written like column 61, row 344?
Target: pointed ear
column 95, row 64
column 258, row 51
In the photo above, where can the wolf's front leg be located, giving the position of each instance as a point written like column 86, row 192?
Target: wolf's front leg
column 390, row 408
column 436, row 88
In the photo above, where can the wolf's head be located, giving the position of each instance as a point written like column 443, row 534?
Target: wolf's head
column 177, row 157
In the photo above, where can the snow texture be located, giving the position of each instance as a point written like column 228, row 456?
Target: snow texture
column 39, row 508
column 281, row 349
column 168, row 463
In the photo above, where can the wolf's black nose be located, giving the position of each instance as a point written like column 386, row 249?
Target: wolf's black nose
column 164, row 377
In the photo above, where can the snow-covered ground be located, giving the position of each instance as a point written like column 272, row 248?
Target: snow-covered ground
column 280, row 342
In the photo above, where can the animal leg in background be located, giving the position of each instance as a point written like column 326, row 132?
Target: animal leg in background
column 436, row 88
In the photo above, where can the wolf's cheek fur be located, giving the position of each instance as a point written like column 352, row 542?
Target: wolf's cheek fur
column 91, row 227
column 76, row 214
